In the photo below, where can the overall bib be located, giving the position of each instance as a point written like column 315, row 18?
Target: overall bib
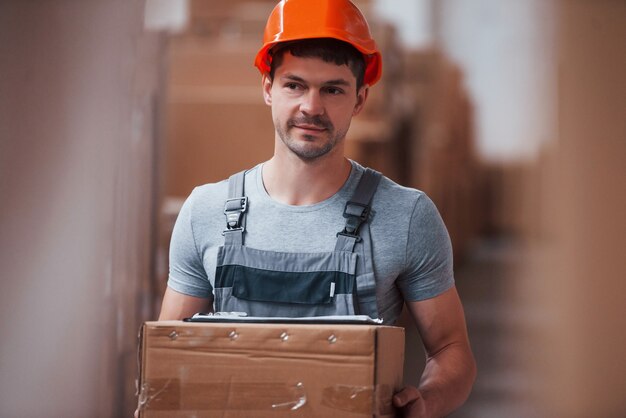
column 281, row 284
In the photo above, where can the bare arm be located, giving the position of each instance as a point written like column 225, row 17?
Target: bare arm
column 450, row 367
column 178, row 306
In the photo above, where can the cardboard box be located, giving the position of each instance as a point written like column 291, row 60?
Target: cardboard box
column 244, row 370
column 207, row 142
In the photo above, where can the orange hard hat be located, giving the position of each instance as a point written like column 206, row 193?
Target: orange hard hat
column 305, row 19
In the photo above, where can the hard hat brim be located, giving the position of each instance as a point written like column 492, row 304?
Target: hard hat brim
column 373, row 59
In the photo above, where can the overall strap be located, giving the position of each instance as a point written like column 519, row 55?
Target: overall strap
column 235, row 209
column 357, row 210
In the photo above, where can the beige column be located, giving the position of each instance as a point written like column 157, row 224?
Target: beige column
column 77, row 102
column 578, row 285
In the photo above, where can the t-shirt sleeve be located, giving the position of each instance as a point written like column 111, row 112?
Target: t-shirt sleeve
column 429, row 265
column 187, row 274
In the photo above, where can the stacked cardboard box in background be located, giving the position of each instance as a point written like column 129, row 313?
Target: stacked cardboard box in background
column 233, row 18
column 442, row 154
column 378, row 135
column 217, row 122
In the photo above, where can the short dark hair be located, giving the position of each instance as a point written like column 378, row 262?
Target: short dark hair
column 328, row 49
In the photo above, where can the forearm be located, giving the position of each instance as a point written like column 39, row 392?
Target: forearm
column 447, row 379
column 450, row 367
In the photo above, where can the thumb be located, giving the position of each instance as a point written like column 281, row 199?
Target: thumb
column 405, row 396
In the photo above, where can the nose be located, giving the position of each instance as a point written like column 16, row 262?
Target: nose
column 312, row 103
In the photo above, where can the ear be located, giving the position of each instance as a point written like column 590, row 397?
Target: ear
column 267, row 89
column 361, row 98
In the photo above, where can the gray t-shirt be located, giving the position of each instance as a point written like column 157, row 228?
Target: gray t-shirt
column 412, row 252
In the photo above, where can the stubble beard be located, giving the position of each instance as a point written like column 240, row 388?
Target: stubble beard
column 309, row 150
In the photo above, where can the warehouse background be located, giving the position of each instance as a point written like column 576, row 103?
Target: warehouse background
column 509, row 114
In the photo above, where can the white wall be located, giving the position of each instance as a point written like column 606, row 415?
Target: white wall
column 506, row 50
column 171, row 15
column 75, row 205
column 413, row 19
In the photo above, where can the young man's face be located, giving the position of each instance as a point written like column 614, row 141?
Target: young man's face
column 312, row 102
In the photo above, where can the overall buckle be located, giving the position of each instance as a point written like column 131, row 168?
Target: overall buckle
column 234, row 210
column 357, row 238
column 355, row 214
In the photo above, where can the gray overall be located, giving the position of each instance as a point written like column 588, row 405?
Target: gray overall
column 271, row 284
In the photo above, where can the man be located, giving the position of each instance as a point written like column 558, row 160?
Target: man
column 284, row 248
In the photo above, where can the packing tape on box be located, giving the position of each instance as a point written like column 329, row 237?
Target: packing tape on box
column 174, row 395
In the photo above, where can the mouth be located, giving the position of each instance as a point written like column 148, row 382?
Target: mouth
column 310, row 125
column 310, row 128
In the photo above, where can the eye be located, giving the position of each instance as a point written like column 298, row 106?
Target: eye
column 334, row 91
column 293, row 86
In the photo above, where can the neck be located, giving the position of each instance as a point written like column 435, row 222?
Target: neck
column 292, row 181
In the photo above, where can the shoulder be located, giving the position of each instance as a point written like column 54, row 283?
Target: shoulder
column 388, row 189
column 396, row 206
column 212, row 196
column 395, row 197
column 209, row 196
column 410, row 204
